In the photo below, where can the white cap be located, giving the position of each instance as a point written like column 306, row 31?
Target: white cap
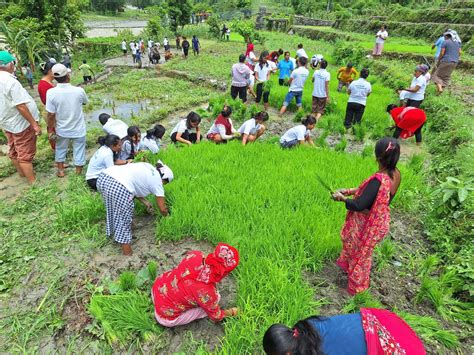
column 59, row 70
column 165, row 171
column 52, row 60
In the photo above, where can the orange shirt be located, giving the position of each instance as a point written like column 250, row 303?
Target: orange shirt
column 345, row 76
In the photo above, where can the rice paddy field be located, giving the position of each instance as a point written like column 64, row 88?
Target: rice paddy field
column 65, row 288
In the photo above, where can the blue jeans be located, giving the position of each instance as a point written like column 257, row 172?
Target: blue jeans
column 78, row 150
column 294, row 94
column 289, row 144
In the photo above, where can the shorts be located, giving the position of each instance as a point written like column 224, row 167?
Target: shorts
column 22, row 146
column 78, row 150
column 289, row 144
column 319, row 104
column 124, row 51
column 294, row 94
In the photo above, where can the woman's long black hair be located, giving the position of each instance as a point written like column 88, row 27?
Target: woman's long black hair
column 132, row 131
column 387, row 153
column 302, row 339
column 156, row 132
column 109, row 140
column 192, row 117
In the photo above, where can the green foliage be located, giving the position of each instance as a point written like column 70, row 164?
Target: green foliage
column 214, row 26
column 246, row 28
column 154, row 28
column 128, row 281
column 107, row 6
column 348, row 52
column 430, row 330
column 179, row 12
column 361, row 300
column 384, row 253
column 451, row 194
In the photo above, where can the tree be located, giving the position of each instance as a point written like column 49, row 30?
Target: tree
column 32, row 45
column 179, row 12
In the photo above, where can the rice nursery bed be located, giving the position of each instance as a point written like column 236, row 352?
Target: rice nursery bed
column 268, row 203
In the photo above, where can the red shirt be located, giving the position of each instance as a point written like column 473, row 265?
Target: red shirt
column 43, row 87
column 175, row 292
column 409, row 119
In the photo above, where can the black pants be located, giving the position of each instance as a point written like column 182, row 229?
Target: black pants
column 281, row 82
column 186, row 51
column 354, row 113
column 397, row 132
column 92, row 184
column 192, row 137
column 241, row 91
column 260, row 93
column 414, row 103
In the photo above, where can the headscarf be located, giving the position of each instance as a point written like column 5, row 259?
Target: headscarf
column 454, row 35
column 165, row 171
column 213, row 268
column 249, row 49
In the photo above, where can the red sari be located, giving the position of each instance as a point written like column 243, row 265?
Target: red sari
column 361, row 233
column 388, row 334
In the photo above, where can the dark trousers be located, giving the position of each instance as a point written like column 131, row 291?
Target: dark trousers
column 192, row 137
column 260, row 93
column 414, row 103
column 186, row 51
column 92, row 184
column 397, row 132
column 241, row 91
column 354, row 113
column 281, row 82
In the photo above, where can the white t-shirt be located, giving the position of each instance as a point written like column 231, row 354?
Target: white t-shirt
column 427, row 78
column 141, row 179
column 12, row 94
column 359, row 88
column 165, row 42
column 181, row 127
column 132, row 45
column 262, row 71
column 102, row 159
column 299, row 76
column 150, row 144
column 249, row 127
column 124, row 45
column 293, row 60
column 66, row 102
column 383, row 34
column 320, row 77
column 420, row 94
column 150, row 43
column 220, row 129
column 126, row 151
column 299, row 133
column 272, row 65
column 117, row 127
column 301, row 53
column 315, row 59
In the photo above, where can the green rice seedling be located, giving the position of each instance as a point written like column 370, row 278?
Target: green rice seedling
column 128, row 281
column 368, row 151
column 299, row 116
column 321, row 140
column 384, row 253
column 125, row 316
column 429, row 265
column 341, row 146
column 430, row 330
column 152, row 268
column 361, row 300
column 359, row 131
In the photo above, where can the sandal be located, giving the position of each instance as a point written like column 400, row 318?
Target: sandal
column 60, row 174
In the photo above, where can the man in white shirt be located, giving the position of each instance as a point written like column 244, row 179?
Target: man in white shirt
column 166, row 44
column 320, row 79
column 124, row 48
column 358, row 92
column 415, row 94
column 113, row 126
column 64, row 106
column 18, row 118
column 381, row 36
column 301, row 53
column 133, row 49
column 297, row 79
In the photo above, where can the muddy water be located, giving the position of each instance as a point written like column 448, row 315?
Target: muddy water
column 119, row 109
column 110, row 28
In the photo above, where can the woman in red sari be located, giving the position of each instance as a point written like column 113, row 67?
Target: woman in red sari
column 372, row 332
column 368, row 217
column 188, row 292
column 44, row 85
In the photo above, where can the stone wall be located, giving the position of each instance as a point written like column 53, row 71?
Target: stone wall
column 307, row 21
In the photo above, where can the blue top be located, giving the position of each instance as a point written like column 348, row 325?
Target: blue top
column 451, row 53
column 195, row 42
column 342, row 334
column 286, row 67
column 438, row 44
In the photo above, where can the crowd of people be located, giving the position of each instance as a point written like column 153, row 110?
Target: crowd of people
column 188, row 292
column 138, row 48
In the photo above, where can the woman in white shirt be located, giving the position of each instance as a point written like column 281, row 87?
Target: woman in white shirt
column 119, row 185
column 380, row 38
column 415, row 94
column 103, row 158
column 252, row 129
column 151, row 141
column 131, row 143
column 299, row 134
column 187, row 130
column 262, row 75
column 358, row 92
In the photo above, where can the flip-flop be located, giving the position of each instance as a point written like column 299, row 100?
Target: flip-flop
column 60, row 174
